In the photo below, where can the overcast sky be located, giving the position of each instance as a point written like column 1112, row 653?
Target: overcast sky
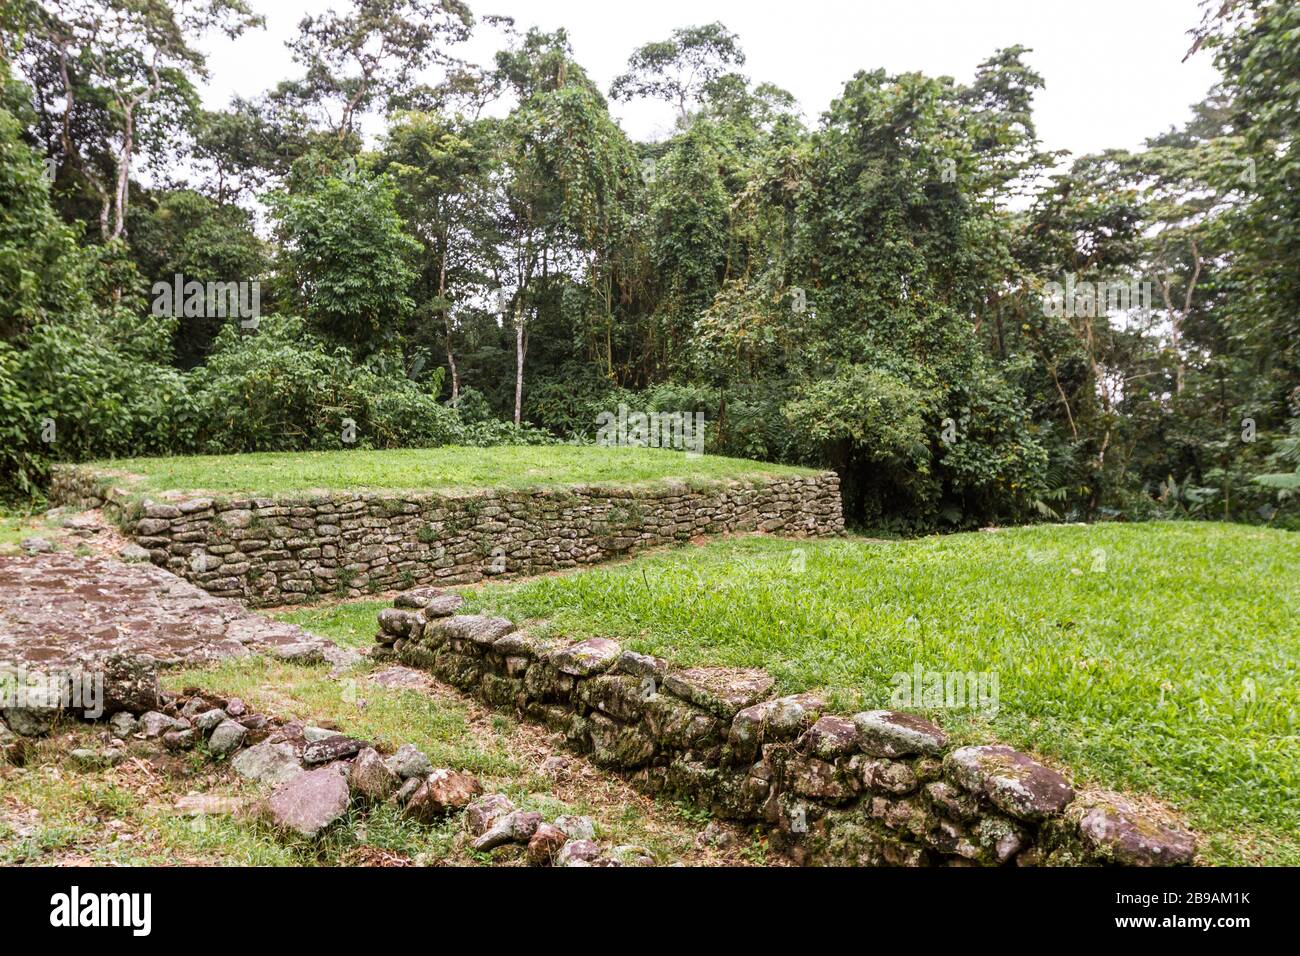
column 1112, row 67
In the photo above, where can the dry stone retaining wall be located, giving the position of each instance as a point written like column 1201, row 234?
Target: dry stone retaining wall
column 875, row 788
column 269, row 551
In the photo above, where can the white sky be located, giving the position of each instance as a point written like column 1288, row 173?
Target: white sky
column 1112, row 68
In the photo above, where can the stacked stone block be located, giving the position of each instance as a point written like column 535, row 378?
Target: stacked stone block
column 875, row 788
column 269, row 551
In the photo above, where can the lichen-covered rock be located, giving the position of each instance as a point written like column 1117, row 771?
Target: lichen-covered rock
column 1013, row 782
column 370, row 779
column 133, row 553
column 407, row 790
column 409, row 762
column 880, row 775
column 615, row 744
column 889, row 733
column 772, row 720
column 585, row 658
column 485, row 811
column 442, row 792
column 179, row 739
column 723, row 691
column 226, row 738
column 122, row 725
column 577, row 827
column 485, row 631
column 155, row 724
column 208, row 720
column 1115, row 831
column 416, row 598
column 36, row 708
column 516, row 827
column 622, row 696
column 396, row 622
column 310, row 802
column 542, row 682
column 643, row 666
column 953, row 802
column 130, row 683
column 993, row 840
column 631, row 855
column 853, row 837
column 444, row 605
column 830, row 738
column 333, row 747
column 526, row 644
column 674, row 722
column 820, row 779
column 578, row 853
column 268, row 762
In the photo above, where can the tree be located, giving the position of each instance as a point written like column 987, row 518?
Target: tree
column 349, row 258
column 370, row 55
column 444, row 171
column 679, row 69
column 186, row 233
column 124, row 59
column 567, row 177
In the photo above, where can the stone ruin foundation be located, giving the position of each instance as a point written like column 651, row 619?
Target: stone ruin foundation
column 286, row 550
column 874, row 788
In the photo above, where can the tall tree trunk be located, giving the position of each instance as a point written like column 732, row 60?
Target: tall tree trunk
column 124, row 172
column 519, row 362
column 446, row 324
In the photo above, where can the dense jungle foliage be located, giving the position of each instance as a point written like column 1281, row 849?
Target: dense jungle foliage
column 910, row 289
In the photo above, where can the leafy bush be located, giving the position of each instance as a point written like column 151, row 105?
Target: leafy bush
column 282, row 388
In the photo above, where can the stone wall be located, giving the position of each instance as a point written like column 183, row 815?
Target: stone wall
column 875, row 788
column 268, row 551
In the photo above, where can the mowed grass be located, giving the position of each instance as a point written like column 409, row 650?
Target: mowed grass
column 1160, row 659
column 433, row 469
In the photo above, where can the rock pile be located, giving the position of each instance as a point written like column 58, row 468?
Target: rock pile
column 316, row 775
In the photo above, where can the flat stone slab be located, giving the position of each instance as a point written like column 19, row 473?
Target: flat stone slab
column 724, row 691
column 59, row 610
column 1118, row 832
column 888, row 733
column 402, row 678
column 309, row 802
column 1013, row 782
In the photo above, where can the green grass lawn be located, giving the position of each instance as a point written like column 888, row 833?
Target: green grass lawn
column 1162, row 659
column 448, row 468
column 14, row 528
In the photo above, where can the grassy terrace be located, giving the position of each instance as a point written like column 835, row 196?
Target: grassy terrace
column 1161, row 659
column 433, row 469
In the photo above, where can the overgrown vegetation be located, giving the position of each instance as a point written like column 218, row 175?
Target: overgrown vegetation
column 871, row 293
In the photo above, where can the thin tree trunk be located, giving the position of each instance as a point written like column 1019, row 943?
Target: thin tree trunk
column 519, row 362
column 446, row 322
column 124, row 173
